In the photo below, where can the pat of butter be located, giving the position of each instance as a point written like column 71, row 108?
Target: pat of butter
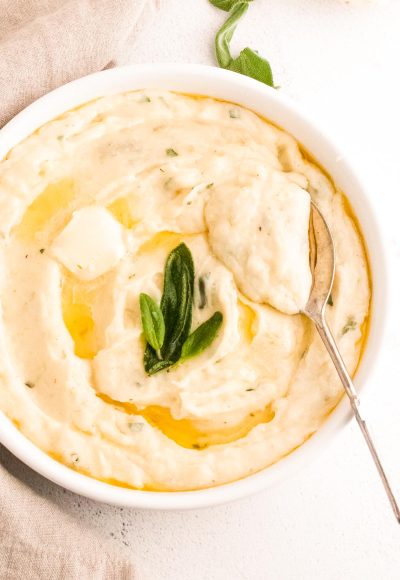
column 90, row 244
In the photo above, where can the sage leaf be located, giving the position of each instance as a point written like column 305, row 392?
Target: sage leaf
column 152, row 322
column 177, row 300
column 153, row 366
column 202, row 337
column 249, row 62
column 226, row 5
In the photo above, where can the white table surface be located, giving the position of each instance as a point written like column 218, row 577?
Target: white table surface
column 331, row 521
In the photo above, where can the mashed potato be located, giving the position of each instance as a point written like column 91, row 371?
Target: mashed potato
column 90, row 206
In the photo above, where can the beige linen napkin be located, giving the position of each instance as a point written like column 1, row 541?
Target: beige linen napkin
column 41, row 540
column 46, row 43
column 43, row 44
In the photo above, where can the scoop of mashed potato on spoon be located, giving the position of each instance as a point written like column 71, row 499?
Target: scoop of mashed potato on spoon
column 260, row 233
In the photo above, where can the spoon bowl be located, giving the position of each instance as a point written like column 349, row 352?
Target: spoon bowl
column 322, row 265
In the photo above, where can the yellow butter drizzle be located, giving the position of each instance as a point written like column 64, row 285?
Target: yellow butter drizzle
column 122, row 210
column 192, row 434
column 247, row 318
column 48, row 213
column 166, row 241
column 78, row 309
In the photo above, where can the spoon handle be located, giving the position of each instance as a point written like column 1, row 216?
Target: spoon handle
column 348, row 385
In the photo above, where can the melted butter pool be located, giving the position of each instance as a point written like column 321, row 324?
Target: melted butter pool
column 48, row 213
column 193, row 434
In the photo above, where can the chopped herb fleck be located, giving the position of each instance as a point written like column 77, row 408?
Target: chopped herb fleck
column 42, row 250
column 209, row 185
column 75, row 457
column 145, row 99
column 171, row 152
column 350, row 325
column 30, row 385
column 250, row 390
column 162, row 170
column 303, row 354
column 330, row 300
column 135, row 427
column 234, row 114
column 202, row 293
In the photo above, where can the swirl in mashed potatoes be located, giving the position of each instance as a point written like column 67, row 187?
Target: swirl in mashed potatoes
column 90, row 206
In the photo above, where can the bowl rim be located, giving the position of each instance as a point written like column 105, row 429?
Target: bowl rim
column 245, row 91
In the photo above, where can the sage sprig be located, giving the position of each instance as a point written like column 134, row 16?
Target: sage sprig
column 249, row 62
column 167, row 328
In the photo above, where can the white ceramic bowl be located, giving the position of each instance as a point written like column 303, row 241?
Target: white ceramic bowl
column 275, row 106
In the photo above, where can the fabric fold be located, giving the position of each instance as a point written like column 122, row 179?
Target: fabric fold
column 61, row 41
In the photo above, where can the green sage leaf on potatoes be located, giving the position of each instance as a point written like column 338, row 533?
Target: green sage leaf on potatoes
column 152, row 322
column 202, row 337
column 176, row 309
column 167, row 328
column 177, row 300
column 152, row 364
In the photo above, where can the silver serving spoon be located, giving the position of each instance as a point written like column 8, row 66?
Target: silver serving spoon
column 322, row 263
